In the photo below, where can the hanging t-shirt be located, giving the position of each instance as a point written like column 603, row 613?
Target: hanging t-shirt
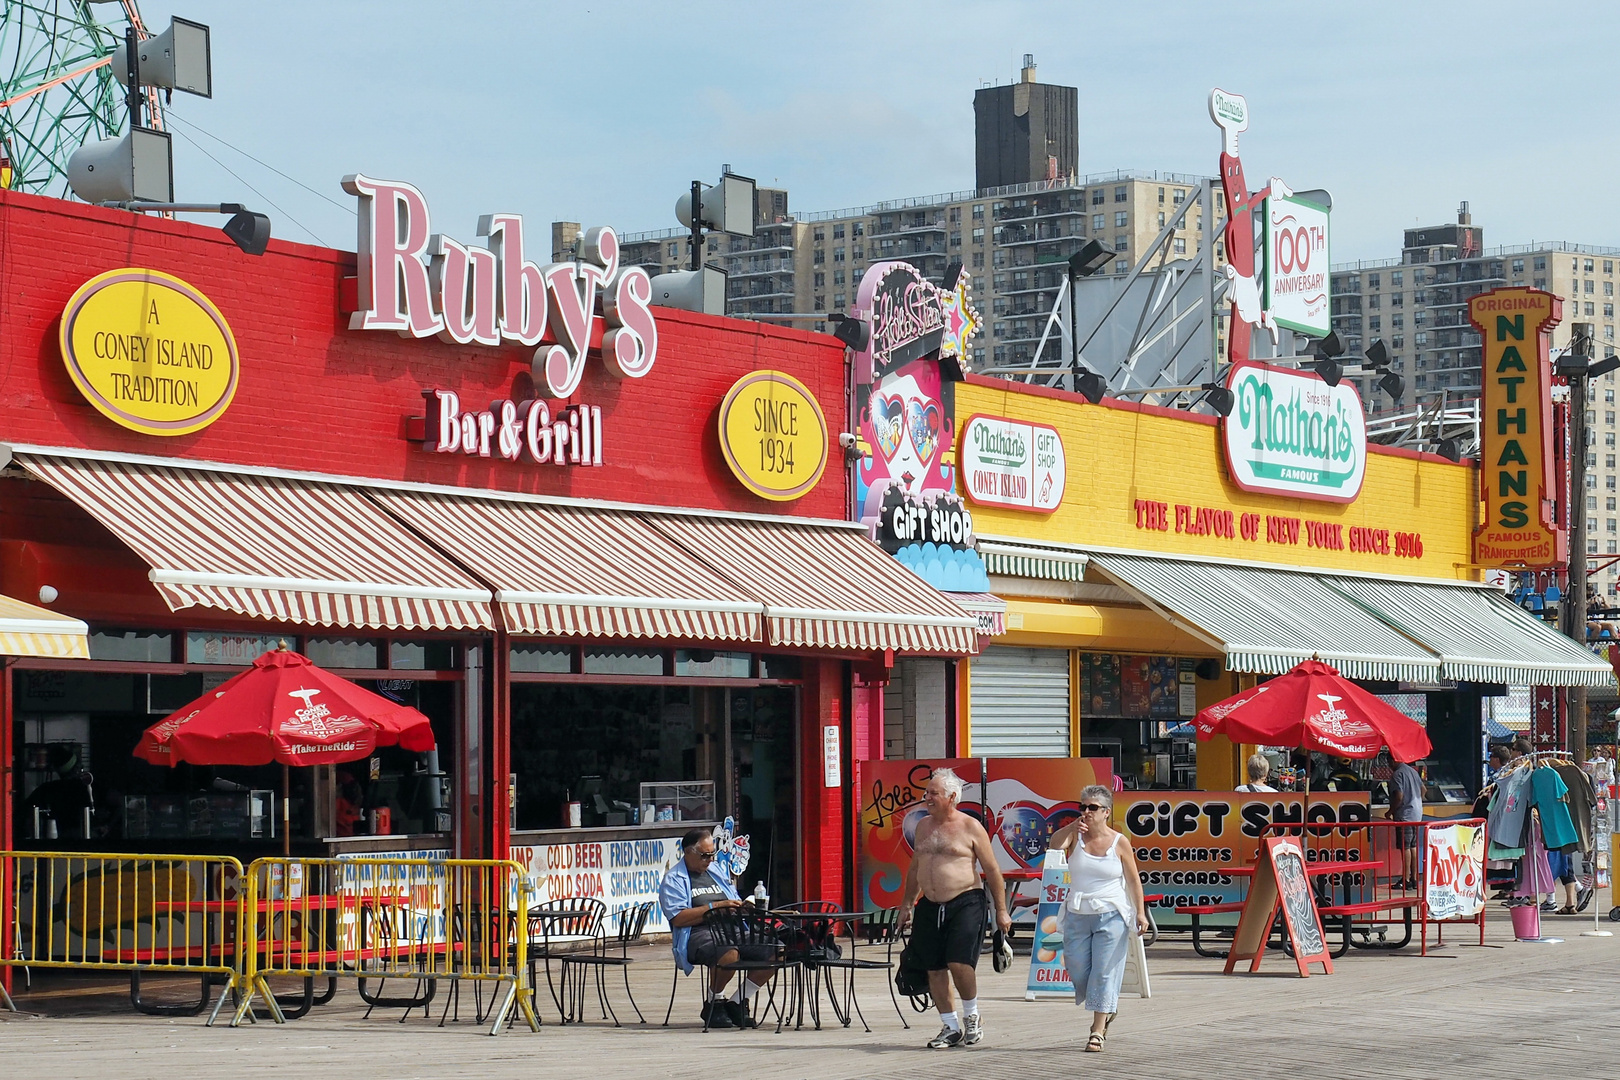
column 1557, row 827
column 1509, row 811
column 1582, row 802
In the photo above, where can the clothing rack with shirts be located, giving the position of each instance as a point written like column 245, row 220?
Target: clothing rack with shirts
column 1539, row 804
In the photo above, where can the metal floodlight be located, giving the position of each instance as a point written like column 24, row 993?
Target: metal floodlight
column 1576, row 361
column 726, row 207
column 1392, row 384
column 1329, row 370
column 247, row 230
column 177, row 59
column 1448, row 449
column 1219, row 398
column 1329, row 347
column 1090, row 385
column 1092, row 258
column 702, row 290
column 1377, row 355
column 1604, row 366
column 138, row 166
column 851, row 331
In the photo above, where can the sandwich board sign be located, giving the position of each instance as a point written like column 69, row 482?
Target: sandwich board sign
column 1280, row 881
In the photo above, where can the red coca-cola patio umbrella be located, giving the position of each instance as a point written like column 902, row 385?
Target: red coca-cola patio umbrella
column 1315, row 708
column 284, row 709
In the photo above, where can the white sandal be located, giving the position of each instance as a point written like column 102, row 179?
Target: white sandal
column 1094, row 1044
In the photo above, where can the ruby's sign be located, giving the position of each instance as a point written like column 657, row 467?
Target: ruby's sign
column 419, row 283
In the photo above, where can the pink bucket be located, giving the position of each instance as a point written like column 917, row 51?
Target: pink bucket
column 1526, row 921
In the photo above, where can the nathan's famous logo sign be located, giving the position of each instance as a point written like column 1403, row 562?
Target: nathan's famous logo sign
column 1515, row 436
column 1290, row 433
column 1016, row 465
column 149, row 351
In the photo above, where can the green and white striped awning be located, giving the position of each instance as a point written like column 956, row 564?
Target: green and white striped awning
column 1267, row 620
column 1030, row 561
column 1478, row 634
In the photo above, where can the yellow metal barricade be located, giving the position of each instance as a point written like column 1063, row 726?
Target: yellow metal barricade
column 416, row 921
column 120, row 912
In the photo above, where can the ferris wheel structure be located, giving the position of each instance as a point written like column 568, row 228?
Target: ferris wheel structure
column 57, row 87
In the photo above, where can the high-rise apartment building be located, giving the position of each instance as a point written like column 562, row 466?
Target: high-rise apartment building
column 1014, row 240
column 1418, row 306
column 1013, row 232
column 1025, row 132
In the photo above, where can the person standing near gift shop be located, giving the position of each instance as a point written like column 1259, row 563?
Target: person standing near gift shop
column 1104, row 907
column 692, row 888
column 950, row 916
column 1406, row 804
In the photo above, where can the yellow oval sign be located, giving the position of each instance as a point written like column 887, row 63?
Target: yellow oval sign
column 149, row 351
column 773, row 434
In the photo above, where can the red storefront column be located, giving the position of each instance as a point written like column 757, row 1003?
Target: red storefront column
column 8, row 757
column 821, row 808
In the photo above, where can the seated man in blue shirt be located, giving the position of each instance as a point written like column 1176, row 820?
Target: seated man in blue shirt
column 689, row 890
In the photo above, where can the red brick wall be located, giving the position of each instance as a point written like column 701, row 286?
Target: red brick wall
column 821, row 808
column 315, row 395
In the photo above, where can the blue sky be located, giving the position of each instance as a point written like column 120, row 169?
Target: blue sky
column 604, row 112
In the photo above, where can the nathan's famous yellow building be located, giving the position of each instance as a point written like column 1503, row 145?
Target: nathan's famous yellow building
column 1154, row 561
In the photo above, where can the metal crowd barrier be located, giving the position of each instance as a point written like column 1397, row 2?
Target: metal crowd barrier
column 121, row 912
column 378, row 919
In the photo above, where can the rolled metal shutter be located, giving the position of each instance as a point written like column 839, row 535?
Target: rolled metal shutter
column 1020, row 702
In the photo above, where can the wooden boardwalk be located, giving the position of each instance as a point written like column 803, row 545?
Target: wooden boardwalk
column 1509, row 1009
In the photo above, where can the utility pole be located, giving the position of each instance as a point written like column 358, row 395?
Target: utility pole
column 1574, row 611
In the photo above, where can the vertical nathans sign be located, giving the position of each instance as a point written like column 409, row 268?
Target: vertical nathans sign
column 1290, row 433
column 1515, row 458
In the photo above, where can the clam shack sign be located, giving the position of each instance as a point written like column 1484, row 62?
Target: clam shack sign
column 1290, row 433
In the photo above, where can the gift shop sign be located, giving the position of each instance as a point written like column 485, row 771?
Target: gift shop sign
column 418, row 283
column 149, row 351
column 1290, row 433
column 1013, row 465
column 1516, row 454
column 773, row 435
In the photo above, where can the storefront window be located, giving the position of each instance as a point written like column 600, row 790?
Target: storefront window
column 143, row 646
column 237, row 649
column 717, row 665
column 342, row 652
column 779, row 667
column 544, row 659
column 422, row 655
column 624, row 662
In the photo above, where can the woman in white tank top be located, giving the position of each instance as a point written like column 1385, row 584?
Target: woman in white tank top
column 1104, row 908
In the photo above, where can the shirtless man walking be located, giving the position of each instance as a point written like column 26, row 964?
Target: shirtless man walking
column 950, row 917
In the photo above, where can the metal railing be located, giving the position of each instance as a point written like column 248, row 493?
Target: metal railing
column 376, row 919
column 121, row 912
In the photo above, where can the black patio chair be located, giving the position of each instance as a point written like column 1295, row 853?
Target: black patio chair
column 757, row 932
column 606, row 954
column 879, row 929
column 559, row 927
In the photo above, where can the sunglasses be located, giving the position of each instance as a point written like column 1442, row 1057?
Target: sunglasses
column 1091, row 807
column 707, row 856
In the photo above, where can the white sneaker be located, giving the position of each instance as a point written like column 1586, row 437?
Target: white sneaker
column 947, row 1038
column 972, row 1029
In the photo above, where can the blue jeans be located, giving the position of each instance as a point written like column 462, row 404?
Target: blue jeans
column 1094, row 952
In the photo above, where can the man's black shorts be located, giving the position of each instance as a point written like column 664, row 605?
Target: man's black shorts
column 704, row 950
column 949, row 933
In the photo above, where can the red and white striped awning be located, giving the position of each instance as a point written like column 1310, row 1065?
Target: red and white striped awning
column 826, row 586
column 562, row 571
column 623, row 572
column 270, row 547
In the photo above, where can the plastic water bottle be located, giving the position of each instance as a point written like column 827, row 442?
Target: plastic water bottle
column 762, row 899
